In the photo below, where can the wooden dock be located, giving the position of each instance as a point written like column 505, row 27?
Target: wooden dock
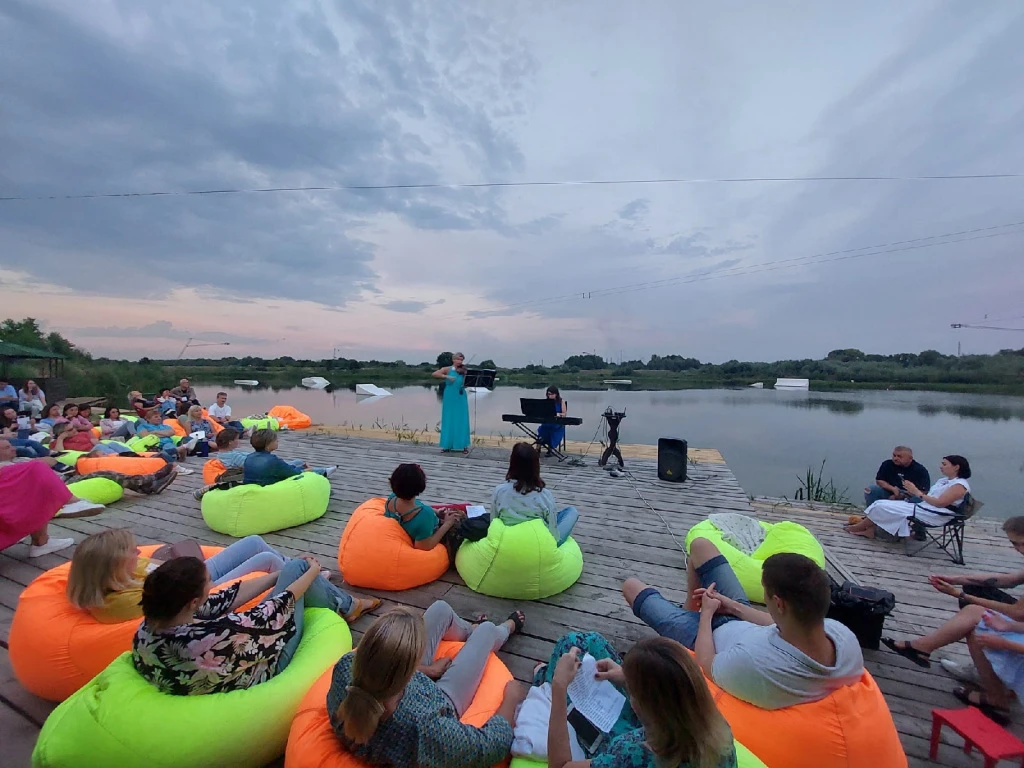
column 632, row 525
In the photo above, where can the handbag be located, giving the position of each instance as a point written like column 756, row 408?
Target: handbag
column 184, row 548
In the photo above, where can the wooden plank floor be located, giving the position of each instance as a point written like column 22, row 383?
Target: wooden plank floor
column 632, row 525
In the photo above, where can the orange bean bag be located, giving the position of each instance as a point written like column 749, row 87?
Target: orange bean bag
column 176, row 426
column 212, row 470
column 312, row 743
column 56, row 648
column 126, row 465
column 217, row 427
column 850, row 727
column 290, row 417
column 375, row 553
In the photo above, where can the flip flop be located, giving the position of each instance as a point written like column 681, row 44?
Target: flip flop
column 998, row 715
column 362, row 606
column 518, row 618
column 907, row 651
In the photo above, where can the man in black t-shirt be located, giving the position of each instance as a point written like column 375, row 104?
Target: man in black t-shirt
column 892, row 473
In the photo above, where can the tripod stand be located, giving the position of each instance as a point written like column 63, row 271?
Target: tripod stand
column 613, row 418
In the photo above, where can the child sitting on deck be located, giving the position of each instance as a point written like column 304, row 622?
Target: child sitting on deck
column 423, row 524
column 264, row 468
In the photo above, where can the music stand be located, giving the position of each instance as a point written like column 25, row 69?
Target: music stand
column 480, row 377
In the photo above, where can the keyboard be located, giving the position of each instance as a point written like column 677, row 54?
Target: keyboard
column 562, row 421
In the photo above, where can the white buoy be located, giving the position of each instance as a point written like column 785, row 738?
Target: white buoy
column 371, row 390
column 315, row 382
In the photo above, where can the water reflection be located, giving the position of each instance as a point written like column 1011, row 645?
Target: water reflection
column 846, row 407
column 972, row 411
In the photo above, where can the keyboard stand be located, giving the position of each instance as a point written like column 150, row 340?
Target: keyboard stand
column 532, row 434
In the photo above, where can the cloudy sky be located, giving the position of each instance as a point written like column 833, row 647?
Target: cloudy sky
column 105, row 97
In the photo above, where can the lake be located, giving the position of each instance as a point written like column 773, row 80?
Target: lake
column 767, row 437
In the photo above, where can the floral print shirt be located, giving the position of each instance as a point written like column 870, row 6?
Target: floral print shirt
column 219, row 651
column 630, row 751
column 424, row 732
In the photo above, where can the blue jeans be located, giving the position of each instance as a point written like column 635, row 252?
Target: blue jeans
column 236, row 425
column 321, row 594
column 28, row 449
column 249, row 555
column 679, row 624
column 566, row 521
column 299, row 464
column 875, row 493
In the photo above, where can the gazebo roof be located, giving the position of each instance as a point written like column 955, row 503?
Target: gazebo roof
column 9, row 351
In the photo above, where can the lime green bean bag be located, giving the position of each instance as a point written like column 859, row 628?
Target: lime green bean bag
column 744, row 759
column 98, row 490
column 779, row 537
column 248, row 509
column 267, row 423
column 119, row 719
column 143, row 443
column 519, row 562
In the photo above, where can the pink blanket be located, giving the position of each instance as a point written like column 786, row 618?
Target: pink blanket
column 30, row 495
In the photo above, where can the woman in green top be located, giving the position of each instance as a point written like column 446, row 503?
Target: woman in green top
column 425, row 527
column 680, row 725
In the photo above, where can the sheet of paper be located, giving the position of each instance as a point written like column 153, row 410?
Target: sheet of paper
column 475, row 510
column 597, row 700
column 198, row 435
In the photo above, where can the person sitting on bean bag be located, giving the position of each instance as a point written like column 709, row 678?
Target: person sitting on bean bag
column 79, row 416
column 391, row 704
column 107, row 574
column 790, row 655
column 196, row 423
column 152, row 424
column 191, row 642
column 32, row 494
column 680, row 724
column 112, row 425
column 523, row 497
column 424, row 525
column 12, row 431
column 68, row 437
column 262, row 467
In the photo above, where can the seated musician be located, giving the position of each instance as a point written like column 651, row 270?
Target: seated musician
column 523, row 497
column 552, row 435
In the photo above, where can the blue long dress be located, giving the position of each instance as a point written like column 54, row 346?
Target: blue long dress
column 552, row 435
column 454, row 413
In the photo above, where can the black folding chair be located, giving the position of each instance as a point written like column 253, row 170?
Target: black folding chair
column 947, row 535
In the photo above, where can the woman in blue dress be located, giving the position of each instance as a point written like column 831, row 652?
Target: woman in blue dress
column 455, row 406
column 552, row 435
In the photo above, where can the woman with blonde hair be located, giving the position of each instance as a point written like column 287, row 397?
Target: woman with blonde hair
column 455, row 432
column 107, row 574
column 194, row 423
column 680, row 725
column 392, row 704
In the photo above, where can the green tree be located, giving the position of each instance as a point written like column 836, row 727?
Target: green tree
column 444, row 359
column 586, row 362
column 488, row 363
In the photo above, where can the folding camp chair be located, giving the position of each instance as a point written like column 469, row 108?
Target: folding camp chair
column 948, row 535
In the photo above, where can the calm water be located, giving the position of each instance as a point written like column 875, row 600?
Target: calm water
column 767, row 437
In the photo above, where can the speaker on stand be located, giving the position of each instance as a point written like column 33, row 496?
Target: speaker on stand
column 671, row 460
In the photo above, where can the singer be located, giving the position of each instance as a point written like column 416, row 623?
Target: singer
column 454, row 406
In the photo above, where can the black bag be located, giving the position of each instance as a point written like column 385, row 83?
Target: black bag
column 470, row 529
column 862, row 609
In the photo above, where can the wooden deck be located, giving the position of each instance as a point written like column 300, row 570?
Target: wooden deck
column 632, row 525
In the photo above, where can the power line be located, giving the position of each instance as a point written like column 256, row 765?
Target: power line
column 500, row 185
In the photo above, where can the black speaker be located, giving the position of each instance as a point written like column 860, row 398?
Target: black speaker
column 671, row 459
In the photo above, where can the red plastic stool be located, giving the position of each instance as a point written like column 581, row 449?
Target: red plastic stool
column 991, row 739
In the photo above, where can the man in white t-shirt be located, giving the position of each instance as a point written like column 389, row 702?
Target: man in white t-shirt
column 790, row 655
column 221, row 413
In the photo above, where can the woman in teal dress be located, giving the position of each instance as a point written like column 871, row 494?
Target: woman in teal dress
column 455, row 406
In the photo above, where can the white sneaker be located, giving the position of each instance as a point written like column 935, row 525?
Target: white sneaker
column 80, row 508
column 965, row 672
column 53, row 545
column 328, row 471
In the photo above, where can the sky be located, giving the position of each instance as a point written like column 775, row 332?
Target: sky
column 111, row 97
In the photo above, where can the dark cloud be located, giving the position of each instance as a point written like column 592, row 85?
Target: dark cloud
column 635, row 210
column 410, row 305
column 198, row 100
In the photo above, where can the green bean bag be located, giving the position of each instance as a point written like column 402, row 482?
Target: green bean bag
column 98, row 490
column 143, row 443
column 520, row 562
column 248, row 509
column 744, row 759
column 779, row 537
column 119, row 719
column 267, row 423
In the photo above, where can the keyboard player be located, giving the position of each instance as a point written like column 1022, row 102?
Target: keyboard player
column 552, row 435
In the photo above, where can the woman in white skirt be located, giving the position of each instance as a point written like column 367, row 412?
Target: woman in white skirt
column 932, row 508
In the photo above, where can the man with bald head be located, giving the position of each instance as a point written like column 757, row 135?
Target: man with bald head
column 892, row 473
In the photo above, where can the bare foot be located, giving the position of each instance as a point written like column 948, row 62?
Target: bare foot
column 435, row 670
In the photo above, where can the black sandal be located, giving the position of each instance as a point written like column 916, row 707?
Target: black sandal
column 518, row 618
column 907, row 651
column 996, row 714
